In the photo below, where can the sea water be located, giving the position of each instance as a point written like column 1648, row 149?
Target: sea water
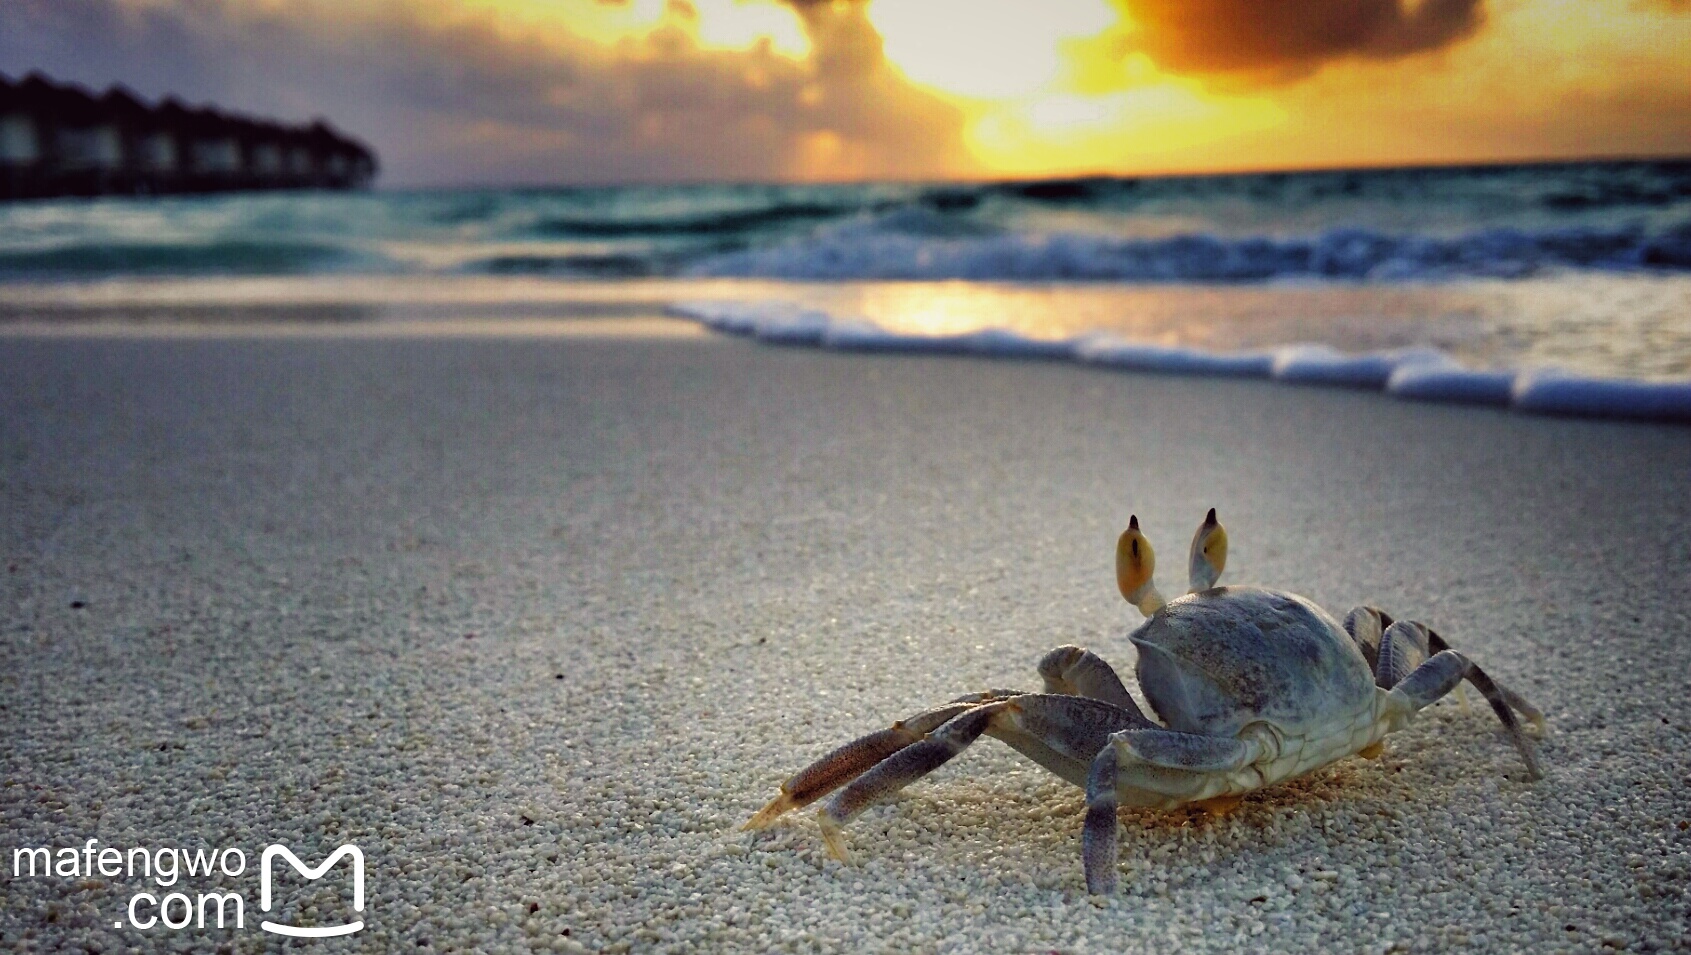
column 1557, row 288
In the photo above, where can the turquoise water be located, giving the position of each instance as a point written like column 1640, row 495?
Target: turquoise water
column 1376, row 226
column 1574, row 272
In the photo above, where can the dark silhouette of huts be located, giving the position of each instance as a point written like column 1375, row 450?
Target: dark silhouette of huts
column 61, row 140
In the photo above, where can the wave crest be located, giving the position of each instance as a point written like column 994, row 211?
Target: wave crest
column 907, row 246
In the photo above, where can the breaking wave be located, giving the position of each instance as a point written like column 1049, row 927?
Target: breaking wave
column 1417, row 373
column 889, row 248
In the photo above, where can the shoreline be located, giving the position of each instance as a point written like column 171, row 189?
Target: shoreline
column 1427, row 344
column 1422, row 375
column 1415, row 373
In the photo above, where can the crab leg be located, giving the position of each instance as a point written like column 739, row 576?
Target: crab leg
column 1438, row 676
column 1073, row 671
column 1156, row 761
column 1098, row 833
column 1367, row 626
column 846, row 763
column 1498, row 693
column 1061, row 733
column 1403, row 647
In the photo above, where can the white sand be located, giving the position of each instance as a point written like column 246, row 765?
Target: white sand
column 538, row 623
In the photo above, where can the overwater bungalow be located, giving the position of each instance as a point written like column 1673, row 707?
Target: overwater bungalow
column 61, row 140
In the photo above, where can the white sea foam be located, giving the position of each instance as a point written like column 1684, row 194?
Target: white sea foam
column 1317, row 364
column 1419, row 373
column 1555, row 392
column 1448, row 381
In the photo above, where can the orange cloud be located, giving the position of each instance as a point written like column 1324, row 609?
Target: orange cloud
column 562, row 91
column 1280, row 40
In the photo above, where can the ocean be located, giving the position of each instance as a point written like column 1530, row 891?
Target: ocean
column 1562, row 288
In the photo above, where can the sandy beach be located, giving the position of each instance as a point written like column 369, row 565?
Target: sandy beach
column 537, row 621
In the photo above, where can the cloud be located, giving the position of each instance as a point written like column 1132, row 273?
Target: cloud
column 1266, row 41
column 463, row 91
column 447, row 96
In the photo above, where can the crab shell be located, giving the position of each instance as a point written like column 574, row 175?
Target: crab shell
column 1264, row 664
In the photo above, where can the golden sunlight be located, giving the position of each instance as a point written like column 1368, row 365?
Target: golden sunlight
column 985, row 88
column 1048, row 90
column 1133, row 128
column 984, row 51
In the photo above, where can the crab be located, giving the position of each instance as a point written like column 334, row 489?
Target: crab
column 1252, row 687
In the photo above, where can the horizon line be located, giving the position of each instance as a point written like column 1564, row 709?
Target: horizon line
column 1618, row 159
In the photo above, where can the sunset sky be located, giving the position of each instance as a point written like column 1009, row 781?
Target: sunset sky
column 555, row 91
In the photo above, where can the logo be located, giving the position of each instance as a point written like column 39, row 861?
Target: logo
column 168, row 867
column 327, row 931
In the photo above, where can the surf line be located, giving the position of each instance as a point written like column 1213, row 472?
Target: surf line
column 1417, row 373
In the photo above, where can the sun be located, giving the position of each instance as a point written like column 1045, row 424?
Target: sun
column 984, row 49
column 1048, row 88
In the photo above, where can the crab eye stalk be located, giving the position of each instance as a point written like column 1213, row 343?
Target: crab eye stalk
column 1209, row 553
column 1135, row 563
